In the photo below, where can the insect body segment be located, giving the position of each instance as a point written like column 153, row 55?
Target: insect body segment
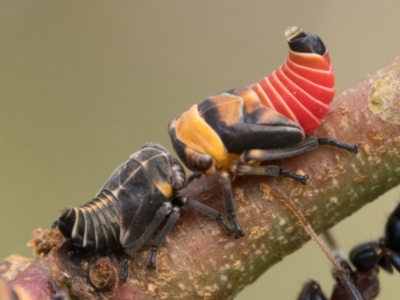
column 95, row 225
column 230, row 133
column 302, row 88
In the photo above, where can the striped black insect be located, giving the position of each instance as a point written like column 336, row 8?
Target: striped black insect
column 138, row 197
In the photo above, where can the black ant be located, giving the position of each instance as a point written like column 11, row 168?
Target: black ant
column 366, row 258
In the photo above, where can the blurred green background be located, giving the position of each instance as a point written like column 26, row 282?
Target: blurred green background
column 83, row 84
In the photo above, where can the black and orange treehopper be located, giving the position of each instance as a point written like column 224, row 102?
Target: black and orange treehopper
column 230, row 133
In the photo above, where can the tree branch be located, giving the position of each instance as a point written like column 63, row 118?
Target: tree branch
column 198, row 260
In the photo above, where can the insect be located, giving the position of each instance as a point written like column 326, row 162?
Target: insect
column 366, row 258
column 230, row 133
column 130, row 207
column 364, row 285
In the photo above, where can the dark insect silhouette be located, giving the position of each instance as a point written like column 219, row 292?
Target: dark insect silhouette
column 367, row 258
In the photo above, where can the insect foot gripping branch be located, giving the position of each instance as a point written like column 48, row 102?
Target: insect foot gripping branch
column 138, row 197
column 230, row 133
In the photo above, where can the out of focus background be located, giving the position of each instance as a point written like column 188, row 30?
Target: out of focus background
column 83, row 84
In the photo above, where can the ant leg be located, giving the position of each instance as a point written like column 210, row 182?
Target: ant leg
column 172, row 218
column 307, row 145
column 212, row 213
column 230, row 207
column 393, row 258
column 244, row 169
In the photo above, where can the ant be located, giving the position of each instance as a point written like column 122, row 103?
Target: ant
column 366, row 258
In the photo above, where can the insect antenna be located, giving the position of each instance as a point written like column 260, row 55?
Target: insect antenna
column 340, row 272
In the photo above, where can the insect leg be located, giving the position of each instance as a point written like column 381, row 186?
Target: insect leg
column 273, row 154
column 243, row 169
column 337, row 144
column 173, row 217
column 230, row 207
column 307, row 145
column 132, row 246
column 212, row 213
column 393, row 258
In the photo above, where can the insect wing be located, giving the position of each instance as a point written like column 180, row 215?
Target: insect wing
column 256, row 127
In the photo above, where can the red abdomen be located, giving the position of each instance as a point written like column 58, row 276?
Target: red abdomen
column 301, row 89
